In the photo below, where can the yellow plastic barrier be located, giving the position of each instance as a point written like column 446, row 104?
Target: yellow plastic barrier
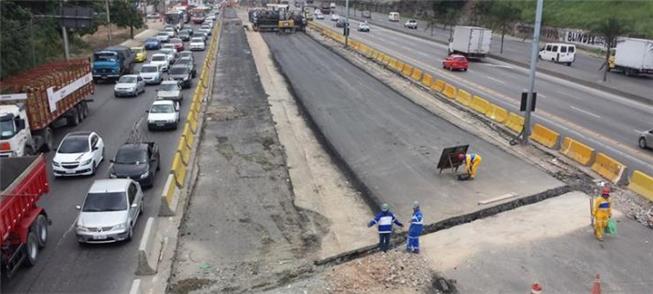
column 417, row 74
column 577, row 151
column 183, row 150
column 427, row 80
column 608, row 167
column 394, row 64
column 196, row 105
column 169, row 191
column 449, row 91
column 189, row 136
column 463, row 97
column 642, row 184
column 544, row 136
column 480, row 105
column 386, row 60
column 379, row 57
column 179, row 170
column 496, row 113
column 515, row 122
column 192, row 121
column 407, row 70
column 438, row 85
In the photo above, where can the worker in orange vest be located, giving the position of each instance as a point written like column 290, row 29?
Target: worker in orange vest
column 602, row 212
column 472, row 161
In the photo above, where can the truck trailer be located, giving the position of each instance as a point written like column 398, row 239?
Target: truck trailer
column 33, row 101
column 23, row 224
column 634, row 56
column 473, row 42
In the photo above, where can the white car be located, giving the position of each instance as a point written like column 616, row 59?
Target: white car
column 164, row 114
column 161, row 60
column 170, row 31
column 170, row 90
column 170, row 53
column 205, row 30
column 129, row 85
column 197, row 43
column 168, row 46
column 151, row 73
column 411, row 24
column 363, row 27
column 319, row 16
column 79, row 153
column 646, row 139
column 163, row 37
column 335, row 17
column 184, row 54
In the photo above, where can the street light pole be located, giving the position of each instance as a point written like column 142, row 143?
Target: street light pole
column 346, row 23
column 531, row 74
column 106, row 4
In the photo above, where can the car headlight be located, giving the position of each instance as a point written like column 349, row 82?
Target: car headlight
column 121, row 226
column 82, row 228
column 171, row 120
column 55, row 163
column 113, row 176
column 145, row 175
column 85, row 162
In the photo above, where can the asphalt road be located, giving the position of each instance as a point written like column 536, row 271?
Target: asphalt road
column 63, row 265
column 391, row 144
column 585, row 67
column 607, row 122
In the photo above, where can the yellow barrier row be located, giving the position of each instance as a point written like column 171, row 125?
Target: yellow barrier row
column 480, row 105
column 417, row 74
column 608, row 167
column 577, row 151
column 449, row 91
column 642, row 184
column 497, row 113
column 544, row 136
column 515, row 122
column 463, row 97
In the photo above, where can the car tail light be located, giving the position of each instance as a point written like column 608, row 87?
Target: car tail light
column 5, row 146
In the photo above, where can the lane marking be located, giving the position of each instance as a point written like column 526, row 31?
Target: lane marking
column 584, row 111
column 495, row 80
column 496, row 65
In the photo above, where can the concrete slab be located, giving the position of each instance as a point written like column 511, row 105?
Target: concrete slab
column 550, row 242
column 390, row 144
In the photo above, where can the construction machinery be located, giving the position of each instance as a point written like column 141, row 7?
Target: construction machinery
column 276, row 18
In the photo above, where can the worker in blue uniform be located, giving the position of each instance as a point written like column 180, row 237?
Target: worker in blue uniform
column 384, row 220
column 415, row 229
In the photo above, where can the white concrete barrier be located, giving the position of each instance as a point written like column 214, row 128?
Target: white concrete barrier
column 149, row 249
column 136, row 287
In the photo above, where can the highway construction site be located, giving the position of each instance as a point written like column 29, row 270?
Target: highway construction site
column 302, row 142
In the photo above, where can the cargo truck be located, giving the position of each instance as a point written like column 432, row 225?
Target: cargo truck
column 23, row 224
column 633, row 56
column 472, row 42
column 33, row 101
column 112, row 62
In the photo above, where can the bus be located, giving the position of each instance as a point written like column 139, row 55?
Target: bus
column 175, row 18
column 198, row 14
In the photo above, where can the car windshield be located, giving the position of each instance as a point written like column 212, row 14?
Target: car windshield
column 459, row 58
column 162, row 108
column 7, row 128
column 150, row 40
column 178, row 70
column 131, row 156
column 163, row 34
column 183, row 61
column 168, row 87
column 107, row 201
column 74, row 144
column 149, row 69
column 104, row 56
column 198, row 40
column 127, row 80
column 158, row 58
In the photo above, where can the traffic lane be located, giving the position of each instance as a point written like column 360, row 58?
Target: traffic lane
column 586, row 67
column 584, row 111
column 66, row 267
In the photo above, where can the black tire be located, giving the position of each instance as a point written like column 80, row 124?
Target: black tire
column 28, row 150
column 642, row 143
column 31, row 249
column 84, row 109
column 48, row 140
column 568, row 63
column 73, row 118
column 80, row 112
column 40, row 228
column 93, row 168
column 130, row 235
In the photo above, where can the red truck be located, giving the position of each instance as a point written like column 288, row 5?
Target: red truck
column 31, row 103
column 23, row 224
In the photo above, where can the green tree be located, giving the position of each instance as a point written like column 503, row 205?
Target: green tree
column 124, row 14
column 610, row 29
column 502, row 15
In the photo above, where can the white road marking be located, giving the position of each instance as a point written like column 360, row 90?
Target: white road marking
column 541, row 95
column 495, row 80
column 584, row 111
column 638, row 131
column 496, row 65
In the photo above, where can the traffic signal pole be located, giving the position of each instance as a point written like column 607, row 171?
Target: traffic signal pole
column 531, row 74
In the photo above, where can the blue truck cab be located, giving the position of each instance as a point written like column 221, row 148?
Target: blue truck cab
column 112, row 62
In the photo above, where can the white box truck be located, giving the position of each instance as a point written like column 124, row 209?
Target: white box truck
column 473, row 42
column 634, row 56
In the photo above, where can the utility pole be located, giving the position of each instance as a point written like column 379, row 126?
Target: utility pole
column 106, row 4
column 31, row 38
column 531, row 74
column 346, row 23
column 64, row 33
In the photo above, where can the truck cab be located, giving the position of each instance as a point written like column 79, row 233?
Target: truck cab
column 15, row 135
column 112, row 62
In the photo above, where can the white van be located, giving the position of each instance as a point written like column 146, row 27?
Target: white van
column 393, row 16
column 332, row 5
column 559, row 52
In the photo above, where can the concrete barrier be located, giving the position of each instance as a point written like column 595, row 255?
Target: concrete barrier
column 497, row 113
column 192, row 121
column 135, row 287
column 515, row 122
column 188, row 134
column 149, row 249
column 169, row 197
column 480, row 105
column 642, row 184
column 417, row 74
column 438, row 85
column 449, row 91
column 545, row 136
column 183, row 150
column 577, row 151
column 463, row 97
column 178, row 169
column 407, row 70
column 609, row 168
column 427, row 80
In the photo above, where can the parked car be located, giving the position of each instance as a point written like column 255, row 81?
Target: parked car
column 109, row 212
column 79, row 153
column 182, row 74
column 455, row 62
column 171, row 53
column 151, row 73
column 319, row 16
column 164, row 114
column 559, row 53
column 646, row 139
column 363, row 27
column 170, row 90
column 139, row 54
column 137, row 161
column 129, row 85
column 170, row 31
column 411, row 24
column 188, row 62
column 152, row 44
column 178, row 43
column 161, row 60
column 197, row 44
column 335, row 17
column 163, row 37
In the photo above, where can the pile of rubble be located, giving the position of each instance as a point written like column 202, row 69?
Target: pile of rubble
column 393, row 272
column 634, row 206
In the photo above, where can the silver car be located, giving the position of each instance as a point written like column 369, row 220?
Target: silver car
column 646, row 139
column 109, row 212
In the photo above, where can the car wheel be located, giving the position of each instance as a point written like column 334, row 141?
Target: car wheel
column 32, row 249
column 142, row 210
column 130, row 234
column 464, row 69
column 40, row 228
column 93, row 168
column 642, row 143
column 568, row 63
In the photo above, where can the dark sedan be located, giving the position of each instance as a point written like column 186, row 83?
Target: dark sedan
column 152, row 44
column 137, row 161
